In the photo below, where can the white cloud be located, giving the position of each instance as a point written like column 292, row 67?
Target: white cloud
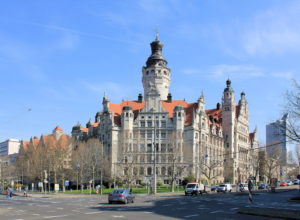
column 114, row 91
column 276, row 30
column 223, row 71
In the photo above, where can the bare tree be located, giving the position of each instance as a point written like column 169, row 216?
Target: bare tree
column 210, row 168
column 175, row 145
column 272, row 162
column 292, row 107
column 89, row 162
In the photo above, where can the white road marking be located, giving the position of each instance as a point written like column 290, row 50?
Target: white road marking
column 234, row 208
column 36, row 214
column 90, row 213
column 188, row 216
column 148, row 212
column 118, row 216
column 216, row 211
column 59, row 208
column 57, row 216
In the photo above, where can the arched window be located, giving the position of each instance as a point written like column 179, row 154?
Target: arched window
column 149, row 171
column 141, row 170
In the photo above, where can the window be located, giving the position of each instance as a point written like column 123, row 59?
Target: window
column 142, row 124
column 138, row 182
column 149, row 134
column 163, row 147
column 135, row 147
column 149, row 124
column 157, row 123
column 141, row 170
column 163, row 134
column 169, row 171
column 142, row 159
column 143, row 134
column 166, row 182
column 163, row 124
column 135, row 171
column 149, row 147
column 142, row 146
column 149, row 171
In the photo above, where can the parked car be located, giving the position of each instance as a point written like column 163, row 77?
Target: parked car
column 283, row 184
column 243, row 187
column 194, row 189
column 296, row 182
column 213, row 188
column 263, row 186
column 224, row 188
column 121, row 195
column 289, row 183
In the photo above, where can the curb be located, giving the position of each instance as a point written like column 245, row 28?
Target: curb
column 278, row 213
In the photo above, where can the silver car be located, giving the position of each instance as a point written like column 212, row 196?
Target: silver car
column 121, row 195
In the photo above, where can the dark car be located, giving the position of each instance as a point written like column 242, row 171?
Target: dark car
column 213, row 188
column 263, row 186
column 121, row 195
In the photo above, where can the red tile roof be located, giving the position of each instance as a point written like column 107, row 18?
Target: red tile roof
column 25, row 145
column 117, row 109
column 251, row 137
column 51, row 142
column 95, row 124
column 216, row 114
column 188, row 108
column 84, row 130
column 57, row 128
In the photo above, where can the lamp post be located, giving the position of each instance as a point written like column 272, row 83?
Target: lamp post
column 154, row 144
column 78, row 166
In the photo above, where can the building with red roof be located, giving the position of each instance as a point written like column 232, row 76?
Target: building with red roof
column 213, row 144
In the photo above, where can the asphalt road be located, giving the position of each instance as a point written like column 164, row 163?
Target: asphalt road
column 217, row 206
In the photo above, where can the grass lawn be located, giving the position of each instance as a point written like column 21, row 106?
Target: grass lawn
column 134, row 190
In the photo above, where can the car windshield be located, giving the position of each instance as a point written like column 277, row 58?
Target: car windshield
column 118, row 191
column 222, row 186
column 190, row 185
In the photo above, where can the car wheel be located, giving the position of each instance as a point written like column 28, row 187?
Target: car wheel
column 132, row 201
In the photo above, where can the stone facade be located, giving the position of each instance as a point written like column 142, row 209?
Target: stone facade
column 180, row 138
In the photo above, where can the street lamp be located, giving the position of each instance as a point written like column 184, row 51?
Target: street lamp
column 78, row 166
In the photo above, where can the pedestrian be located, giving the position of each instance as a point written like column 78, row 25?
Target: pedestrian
column 7, row 192
column 11, row 192
column 25, row 193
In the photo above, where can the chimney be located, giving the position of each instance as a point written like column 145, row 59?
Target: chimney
column 169, row 97
column 218, row 106
column 140, row 98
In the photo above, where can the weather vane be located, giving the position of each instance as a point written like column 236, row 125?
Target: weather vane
column 156, row 35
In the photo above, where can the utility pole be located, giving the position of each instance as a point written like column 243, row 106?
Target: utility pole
column 154, row 143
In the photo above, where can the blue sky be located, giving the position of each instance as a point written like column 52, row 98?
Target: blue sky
column 58, row 57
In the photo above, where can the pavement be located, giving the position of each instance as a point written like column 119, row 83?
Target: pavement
column 162, row 206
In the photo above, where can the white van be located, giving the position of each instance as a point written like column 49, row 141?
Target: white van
column 194, row 189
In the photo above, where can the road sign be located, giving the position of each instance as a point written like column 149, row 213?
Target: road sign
column 191, row 165
column 40, row 184
column 147, row 181
column 67, row 183
column 56, row 187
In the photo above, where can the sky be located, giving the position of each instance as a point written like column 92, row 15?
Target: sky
column 58, row 57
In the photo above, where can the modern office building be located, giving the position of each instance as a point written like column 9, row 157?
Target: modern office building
column 277, row 138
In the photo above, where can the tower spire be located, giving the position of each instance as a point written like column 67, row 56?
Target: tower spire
column 156, row 33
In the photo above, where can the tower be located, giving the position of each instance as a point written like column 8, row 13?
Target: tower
column 228, row 122
column 156, row 75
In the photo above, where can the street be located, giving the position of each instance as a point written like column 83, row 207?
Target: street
column 213, row 206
